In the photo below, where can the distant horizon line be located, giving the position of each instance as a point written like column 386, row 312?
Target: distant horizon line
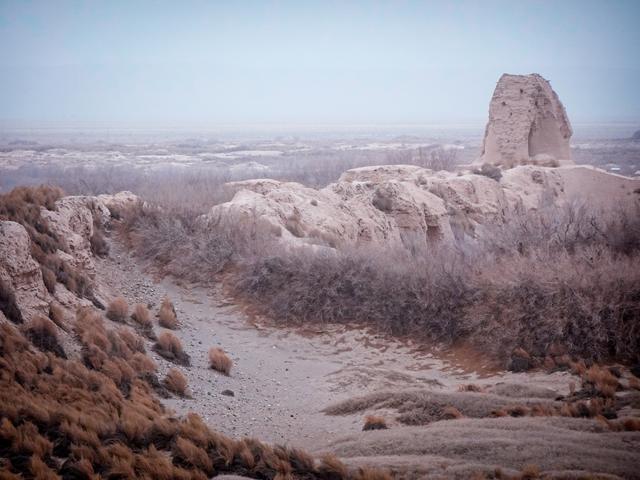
column 11, row 125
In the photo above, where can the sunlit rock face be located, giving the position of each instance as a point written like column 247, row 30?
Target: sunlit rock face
column 527, row 124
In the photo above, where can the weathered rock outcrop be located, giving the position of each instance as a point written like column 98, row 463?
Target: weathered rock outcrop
column 527, row 124
column 72, row 221
column 118, row 202
column 403, row 204
column 20, row 272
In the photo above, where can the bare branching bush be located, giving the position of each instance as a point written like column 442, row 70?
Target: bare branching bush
column 118, row 310
column 219, row 360
column 552, row 276
column 176, row 382
column 169, row 346
column 167, row 315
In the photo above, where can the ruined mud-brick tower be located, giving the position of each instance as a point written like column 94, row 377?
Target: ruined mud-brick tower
column 527, row 124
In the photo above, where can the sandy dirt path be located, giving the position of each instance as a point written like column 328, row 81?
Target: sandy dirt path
column 282, row 379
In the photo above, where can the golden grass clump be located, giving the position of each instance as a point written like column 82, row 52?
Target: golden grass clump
column 451, row 413
column 169, row 346
column 118, row 310
column 188, row 454
column 142, row 316
column 57, row 315
column 176, row 382
column 8, row 304
column 49, row 279
column 167, row 315
column 530, row 472
column 62, row 418
column 602, row 380
column 220, row 361
column 374, row 422
column 44, row 335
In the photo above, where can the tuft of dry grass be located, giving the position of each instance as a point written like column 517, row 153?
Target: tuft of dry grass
column 451, row 413
column 167, row 315
column 44, row 335
column 49, row 279
column 530, row 472
column 470, row 387
column 8, row 304
column 220, row 361
column 602, row 381
column 57, row 315
column 99, row 245
column 176, row 382
column 63, row 418
column 118, row 310
column 142, row 316
column 374, row 422
column 169, row 346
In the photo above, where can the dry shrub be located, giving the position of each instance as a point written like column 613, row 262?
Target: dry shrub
column 142, row 316
column 44, row 335
column 49, row 279
column 57, row 315
column 374, row 422
column 142, row 364
column 517, row 410
column 167, row 315
column 602, row 380
column 470, row 387
column 59, row 416
column 187, row 454
column 451, row 413
column 530, row 472
column 118, row 310
column 554, row 277
column 331, row 467
column 176, row 382
column 631, row 424
column 133, row 341
column 219, row 361
column 99, row 245
column 8, row 304
column 490, row 171
column 169, row 346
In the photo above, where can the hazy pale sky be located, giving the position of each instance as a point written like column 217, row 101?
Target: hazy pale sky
column 207, row 62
